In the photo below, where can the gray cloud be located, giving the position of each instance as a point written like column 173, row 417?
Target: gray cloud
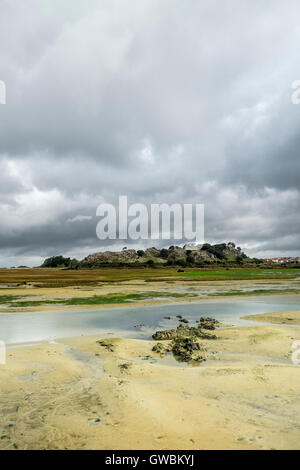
column 165, row 101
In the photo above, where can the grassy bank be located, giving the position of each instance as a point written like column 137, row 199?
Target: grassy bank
column 119, row 298
column 89, row 277
column 254, row 292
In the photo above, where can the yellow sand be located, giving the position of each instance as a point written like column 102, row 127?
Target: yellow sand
column 279, row 318
column 75, row 395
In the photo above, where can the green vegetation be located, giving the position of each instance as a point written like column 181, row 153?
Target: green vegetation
column 239, row 274
column 107, row 299
column 223, row 254
column 60, row 261
column 14, row 301
column 57, row 277
column 6, row 299
column 255, row 292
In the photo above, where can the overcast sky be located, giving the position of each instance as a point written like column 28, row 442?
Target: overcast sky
column 160, row 100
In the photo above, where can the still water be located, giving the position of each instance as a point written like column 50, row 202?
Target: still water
column 49, row 325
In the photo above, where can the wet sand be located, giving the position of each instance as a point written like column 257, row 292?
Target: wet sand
column 77, row 394
column 279, row 318
column 204, row 290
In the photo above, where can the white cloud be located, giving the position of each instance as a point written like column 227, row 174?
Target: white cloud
column 79, row 218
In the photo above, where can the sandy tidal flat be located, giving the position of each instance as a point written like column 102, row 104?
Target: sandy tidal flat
column 279, row 318
column 77, row 394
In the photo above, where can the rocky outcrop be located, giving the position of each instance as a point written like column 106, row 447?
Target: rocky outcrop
column 208, row 323
column 182, row 332
column 189, row 255
column 110, row 257
column 106, row 345
column 183, row 341
column 152, row 253
column 184, row 350
column 174, row 255
column 161, row 349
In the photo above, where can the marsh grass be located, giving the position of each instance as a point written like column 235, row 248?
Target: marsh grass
column 107, row 299
column 6, row 299
column 56, row 277
column 254, row 292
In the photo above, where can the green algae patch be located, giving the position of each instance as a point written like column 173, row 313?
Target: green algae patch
column 120, row 298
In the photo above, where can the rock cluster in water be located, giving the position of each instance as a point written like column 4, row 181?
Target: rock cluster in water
column 184, row 350
column 181, row 332
column 208, row 323
column 185, row 344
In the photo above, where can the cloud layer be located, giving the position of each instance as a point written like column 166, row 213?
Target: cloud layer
column 164, row 101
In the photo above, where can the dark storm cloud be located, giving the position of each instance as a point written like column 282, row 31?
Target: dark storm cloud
column 165, row 101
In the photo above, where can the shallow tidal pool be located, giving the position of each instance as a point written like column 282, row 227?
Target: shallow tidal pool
column 134, row 322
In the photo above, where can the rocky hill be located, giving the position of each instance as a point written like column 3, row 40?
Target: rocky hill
column 189, row 255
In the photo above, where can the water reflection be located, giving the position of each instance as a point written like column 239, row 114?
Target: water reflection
column 28, row 327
